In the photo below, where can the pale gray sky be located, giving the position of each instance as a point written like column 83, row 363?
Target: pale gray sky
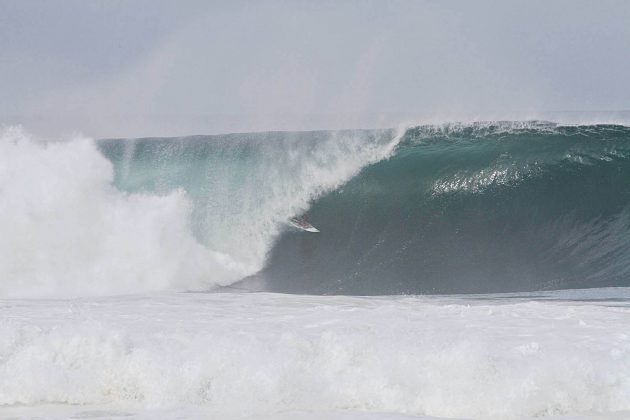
column 146, row 67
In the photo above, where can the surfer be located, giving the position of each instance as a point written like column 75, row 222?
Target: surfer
column 302, row 222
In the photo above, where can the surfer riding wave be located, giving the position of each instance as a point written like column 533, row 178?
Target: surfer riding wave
column 301, row 222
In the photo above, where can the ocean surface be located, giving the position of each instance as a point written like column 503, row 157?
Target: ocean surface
column 462, row 271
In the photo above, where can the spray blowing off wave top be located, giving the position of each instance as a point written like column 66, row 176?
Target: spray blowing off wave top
column 169, row 214
column 471, row 209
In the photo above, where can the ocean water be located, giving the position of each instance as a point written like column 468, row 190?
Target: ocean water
column 463, row 271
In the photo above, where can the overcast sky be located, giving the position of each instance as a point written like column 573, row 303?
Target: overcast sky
column 146, row 67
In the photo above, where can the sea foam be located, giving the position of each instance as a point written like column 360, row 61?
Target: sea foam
column 228, row 355
column 67, row 232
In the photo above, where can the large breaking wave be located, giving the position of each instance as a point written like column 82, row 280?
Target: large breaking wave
column 455, row 208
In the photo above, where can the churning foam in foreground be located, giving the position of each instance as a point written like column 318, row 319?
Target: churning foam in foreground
column 226, row 355
column 66, row 231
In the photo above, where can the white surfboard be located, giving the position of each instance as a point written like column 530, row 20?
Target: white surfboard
column 303, row 225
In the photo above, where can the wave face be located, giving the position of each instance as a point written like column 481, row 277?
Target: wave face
column 435, row 209
column 471, row 209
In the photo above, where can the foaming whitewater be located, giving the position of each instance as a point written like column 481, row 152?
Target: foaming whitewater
column 278, row 356
column 66, row 231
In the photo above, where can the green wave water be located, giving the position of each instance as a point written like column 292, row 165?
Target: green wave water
column 456, row 208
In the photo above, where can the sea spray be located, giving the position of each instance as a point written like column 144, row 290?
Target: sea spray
column 245, row 187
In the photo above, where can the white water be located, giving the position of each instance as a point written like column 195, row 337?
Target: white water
column 66, row 231
column 226, row 355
